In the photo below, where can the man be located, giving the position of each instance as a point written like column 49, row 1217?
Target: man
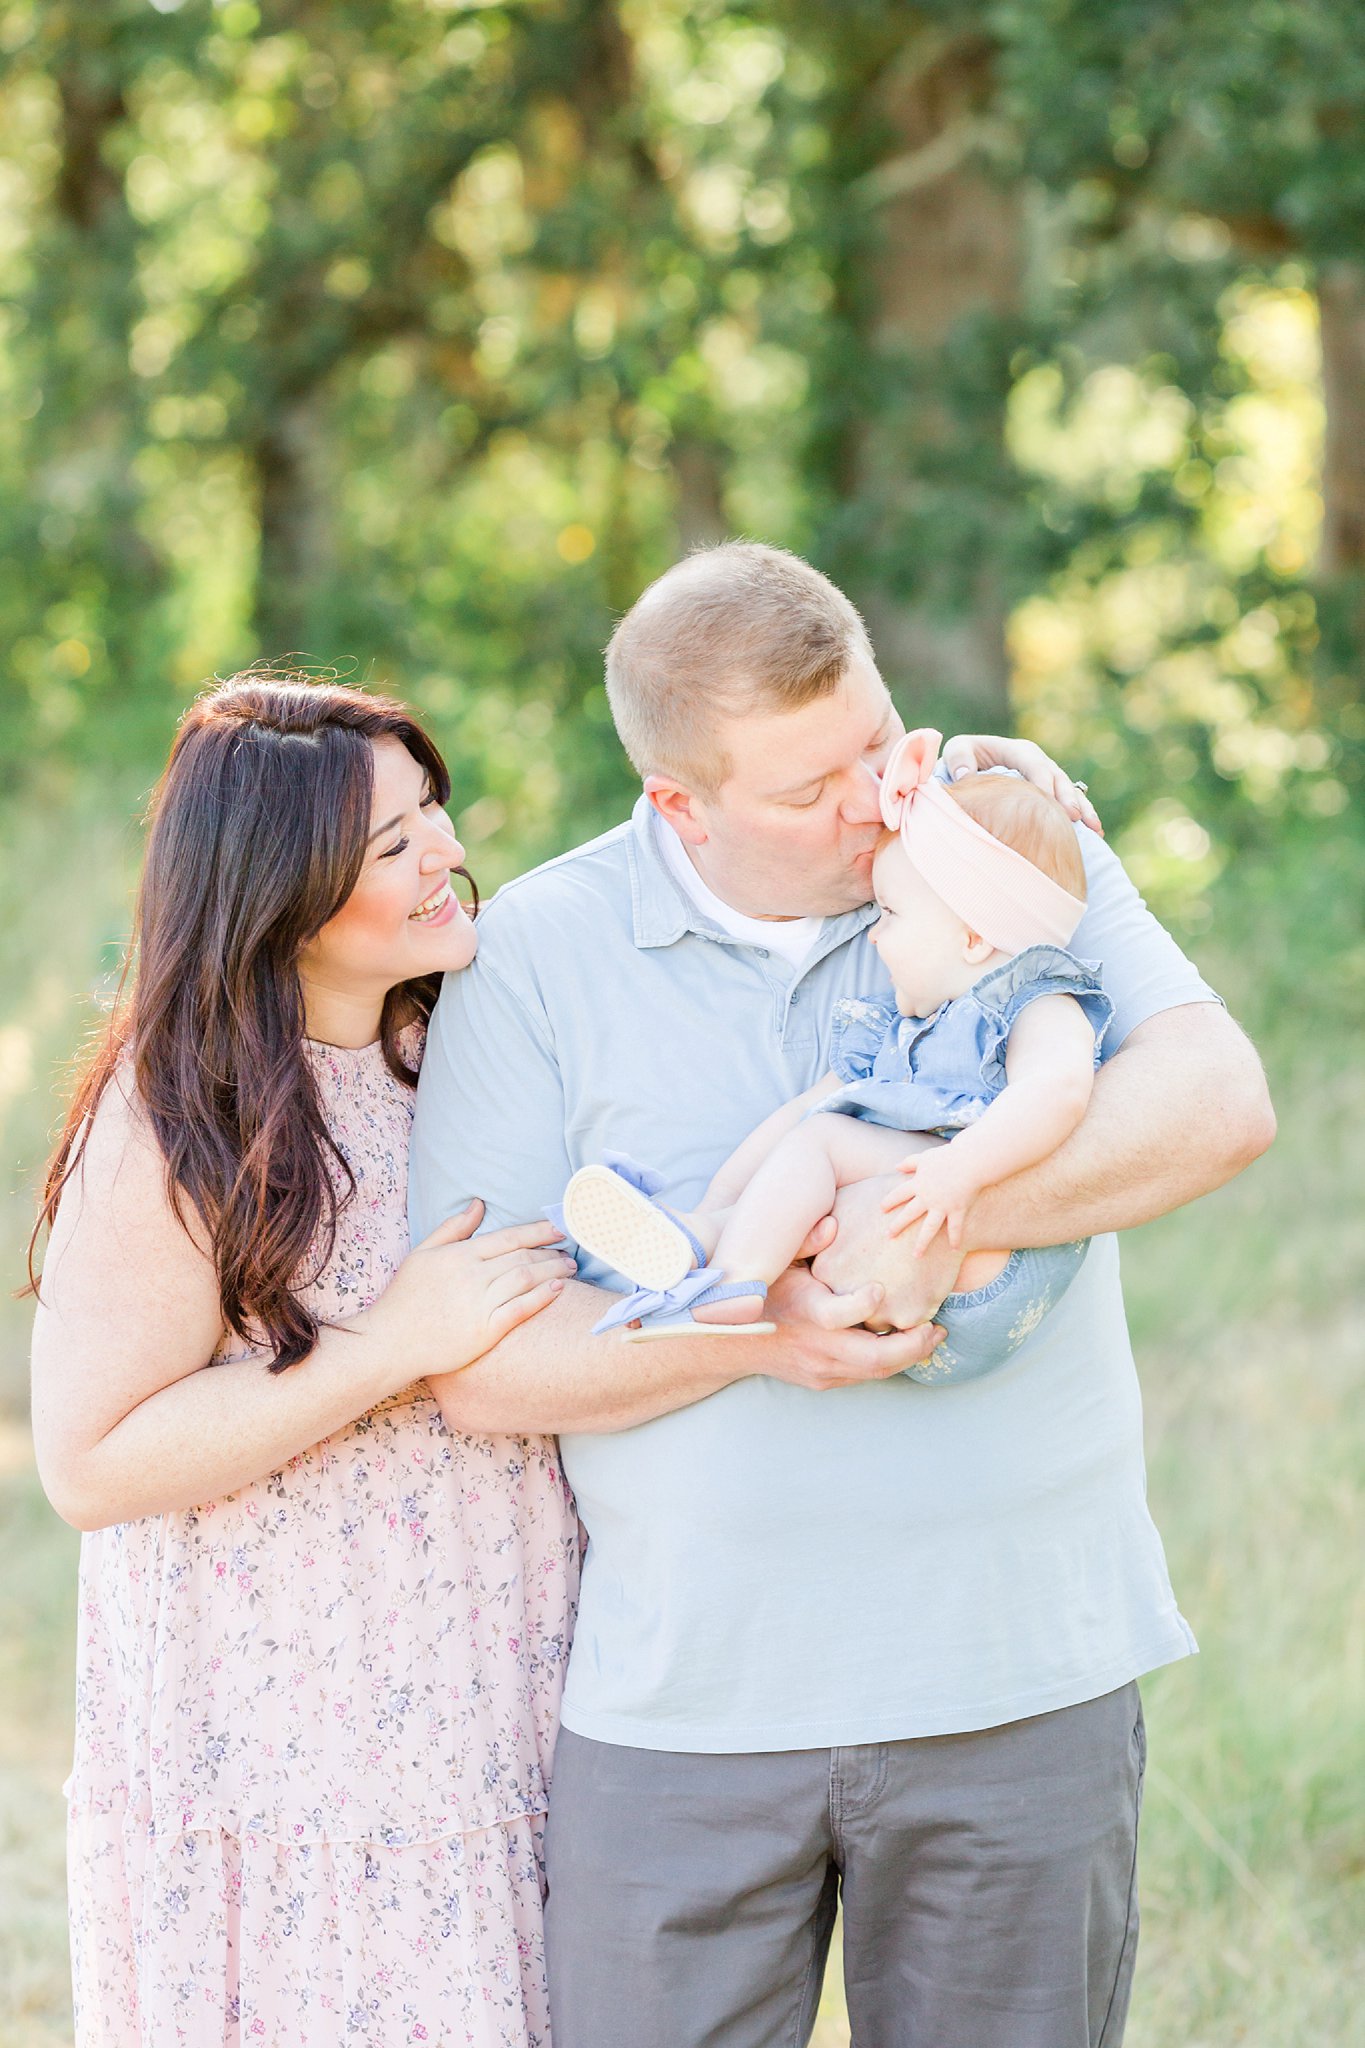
column 838, row 1629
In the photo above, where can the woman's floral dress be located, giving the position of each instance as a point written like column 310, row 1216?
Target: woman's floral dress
column 315, row 1719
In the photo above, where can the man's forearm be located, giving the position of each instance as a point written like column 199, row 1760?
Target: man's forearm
column 1179, row 1111
column 551, row 1375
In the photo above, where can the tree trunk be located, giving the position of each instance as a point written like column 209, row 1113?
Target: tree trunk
column 298, row 538
column 88, row 191
column 82, row 447
column 950, row 249
column 1341, row 308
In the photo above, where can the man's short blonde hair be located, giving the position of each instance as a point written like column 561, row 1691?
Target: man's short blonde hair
column 735, row 628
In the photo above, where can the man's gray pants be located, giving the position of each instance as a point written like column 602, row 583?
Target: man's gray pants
column 988, row 1882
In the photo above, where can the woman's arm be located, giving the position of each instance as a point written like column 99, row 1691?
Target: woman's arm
column 130, row 1419
column 1050, row 1063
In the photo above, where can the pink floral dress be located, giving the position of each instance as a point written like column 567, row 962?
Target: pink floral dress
column 315, row 1719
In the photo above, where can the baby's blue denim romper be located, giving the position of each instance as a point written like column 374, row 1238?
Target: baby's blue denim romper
column 940, row 1074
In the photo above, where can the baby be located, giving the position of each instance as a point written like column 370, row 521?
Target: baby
column 991, row 1043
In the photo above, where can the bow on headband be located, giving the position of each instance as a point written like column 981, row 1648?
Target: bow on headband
column 993, row 889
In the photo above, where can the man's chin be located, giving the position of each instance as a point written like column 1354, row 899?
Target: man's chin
column 851, row 892
column 856, row 893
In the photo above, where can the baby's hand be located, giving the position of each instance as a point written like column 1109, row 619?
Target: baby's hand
column 938, row 1190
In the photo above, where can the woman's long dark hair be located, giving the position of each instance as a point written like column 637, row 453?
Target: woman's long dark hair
column 258, row 832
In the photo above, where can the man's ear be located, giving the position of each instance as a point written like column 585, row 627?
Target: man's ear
column 976, row 949
column 678, row 807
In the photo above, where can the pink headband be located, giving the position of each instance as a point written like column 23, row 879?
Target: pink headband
column 993, row 889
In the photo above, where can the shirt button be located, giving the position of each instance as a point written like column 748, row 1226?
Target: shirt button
column 796, row 996
column 762, row 952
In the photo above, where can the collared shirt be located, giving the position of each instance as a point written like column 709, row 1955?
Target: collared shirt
column 773, row 1568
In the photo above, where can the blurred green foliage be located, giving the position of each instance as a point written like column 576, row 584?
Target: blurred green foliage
column 417, row 335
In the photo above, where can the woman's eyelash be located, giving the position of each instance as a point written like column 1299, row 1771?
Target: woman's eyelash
column 427, row 801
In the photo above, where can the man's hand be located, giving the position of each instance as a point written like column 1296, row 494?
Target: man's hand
column 972, row 751
column 818, row 1342
column 863, row 1251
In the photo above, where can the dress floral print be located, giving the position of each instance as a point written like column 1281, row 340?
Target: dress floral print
column 315, row 1719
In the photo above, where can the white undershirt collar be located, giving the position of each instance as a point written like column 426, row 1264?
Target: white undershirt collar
column 790, row 938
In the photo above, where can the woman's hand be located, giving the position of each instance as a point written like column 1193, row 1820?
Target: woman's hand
column 969, row 752
column 456, row 1295
column 130, row 1418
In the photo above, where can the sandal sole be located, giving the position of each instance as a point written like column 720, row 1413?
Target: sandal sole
column 686, row 1326
column 615, row 1222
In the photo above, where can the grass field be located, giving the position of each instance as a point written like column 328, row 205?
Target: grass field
column 1248, row 1312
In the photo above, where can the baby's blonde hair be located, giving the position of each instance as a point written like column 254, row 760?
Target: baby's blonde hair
column 1022, row 817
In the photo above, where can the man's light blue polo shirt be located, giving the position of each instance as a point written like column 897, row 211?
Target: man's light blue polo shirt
column 773, row 1568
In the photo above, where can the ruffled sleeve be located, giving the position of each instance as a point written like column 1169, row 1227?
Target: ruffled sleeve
column 1038, row 971
column 861, row 1027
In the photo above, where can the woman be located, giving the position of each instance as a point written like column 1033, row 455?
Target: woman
column 320, row 1640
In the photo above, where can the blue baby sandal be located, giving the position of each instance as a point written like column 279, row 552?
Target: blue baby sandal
column 610, row 1210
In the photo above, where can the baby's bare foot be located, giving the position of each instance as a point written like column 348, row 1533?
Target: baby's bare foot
column 743, row 1308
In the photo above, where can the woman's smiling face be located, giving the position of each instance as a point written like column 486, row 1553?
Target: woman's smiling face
column 402, row 919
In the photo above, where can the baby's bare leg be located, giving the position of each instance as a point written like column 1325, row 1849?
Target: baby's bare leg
column 867, row 1158
column 796, row 1186
column 792, row 1190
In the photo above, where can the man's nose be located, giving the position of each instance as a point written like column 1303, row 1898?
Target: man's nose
column 862, row 803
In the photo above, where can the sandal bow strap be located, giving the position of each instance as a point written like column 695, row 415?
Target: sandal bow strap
column 647, row 1301
column 645, row 1178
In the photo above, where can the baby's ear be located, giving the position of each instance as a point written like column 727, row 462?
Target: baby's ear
column 975, row 949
